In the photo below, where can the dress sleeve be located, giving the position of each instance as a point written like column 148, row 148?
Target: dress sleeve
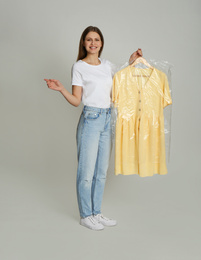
column 115, row 91
column 76, row 77
column 167, row 100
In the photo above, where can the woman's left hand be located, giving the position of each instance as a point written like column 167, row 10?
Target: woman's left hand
column 135, row 55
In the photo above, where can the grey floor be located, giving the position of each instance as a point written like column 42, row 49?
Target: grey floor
column 157, row 219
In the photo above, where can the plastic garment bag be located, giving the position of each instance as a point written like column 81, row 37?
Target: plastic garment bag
column 141, row 128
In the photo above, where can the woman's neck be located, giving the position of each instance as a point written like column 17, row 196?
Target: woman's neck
column 92, row 59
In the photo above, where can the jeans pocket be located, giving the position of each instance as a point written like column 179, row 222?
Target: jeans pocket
column 91, row 115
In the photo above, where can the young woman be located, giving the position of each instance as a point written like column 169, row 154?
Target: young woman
column 92, row 84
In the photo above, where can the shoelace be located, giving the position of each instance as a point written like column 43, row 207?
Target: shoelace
column 101, row 215
column 92, row 220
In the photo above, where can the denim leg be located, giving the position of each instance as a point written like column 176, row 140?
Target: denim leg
column 102, row 163
column 88, row 135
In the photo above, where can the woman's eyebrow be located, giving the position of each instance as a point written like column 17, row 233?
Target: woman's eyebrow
column 94, row 38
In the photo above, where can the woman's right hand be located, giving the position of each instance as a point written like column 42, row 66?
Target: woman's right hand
column 54, row 84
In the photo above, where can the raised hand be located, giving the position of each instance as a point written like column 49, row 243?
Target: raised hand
column 54, row 84
column 135, row 55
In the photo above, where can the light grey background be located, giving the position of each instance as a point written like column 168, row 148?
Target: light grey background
column 158, row 217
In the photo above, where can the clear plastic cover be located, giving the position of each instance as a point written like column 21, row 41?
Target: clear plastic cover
column 141, row 115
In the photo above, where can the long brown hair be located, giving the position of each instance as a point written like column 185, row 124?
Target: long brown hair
column 82, row 51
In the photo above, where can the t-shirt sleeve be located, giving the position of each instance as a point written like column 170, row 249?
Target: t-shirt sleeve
column 76, row 77
column 167, row 100
column 115, row 68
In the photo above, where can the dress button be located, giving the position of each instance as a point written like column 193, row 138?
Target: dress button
column 139, row 100
column 139, row 92
column 139, row 109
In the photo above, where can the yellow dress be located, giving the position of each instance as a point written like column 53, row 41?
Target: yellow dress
column 140, row 96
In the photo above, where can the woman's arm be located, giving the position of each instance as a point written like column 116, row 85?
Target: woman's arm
column 74, row 98
column 115, row 68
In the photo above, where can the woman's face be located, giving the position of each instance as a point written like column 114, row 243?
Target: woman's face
column 92, row 42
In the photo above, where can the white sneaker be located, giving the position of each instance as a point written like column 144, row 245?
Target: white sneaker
column 91, row 222
column 105, row 221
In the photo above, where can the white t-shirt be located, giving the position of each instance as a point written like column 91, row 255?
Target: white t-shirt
column 96, row 81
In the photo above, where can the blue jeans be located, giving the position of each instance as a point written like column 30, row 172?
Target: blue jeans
column 93, row 151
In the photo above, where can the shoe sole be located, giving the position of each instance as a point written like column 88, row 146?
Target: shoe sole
column 91, row 227
column 109, row 225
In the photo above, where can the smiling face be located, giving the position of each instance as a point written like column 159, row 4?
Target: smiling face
column 92, row 42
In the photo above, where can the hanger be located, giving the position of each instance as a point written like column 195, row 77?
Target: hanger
column 141, row 60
